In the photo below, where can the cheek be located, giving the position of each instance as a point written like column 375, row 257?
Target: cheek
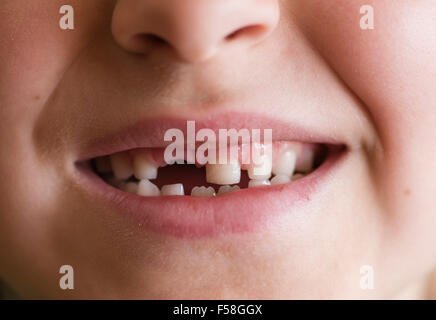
column 392, row 70
column 31, row 49
column 34, row 51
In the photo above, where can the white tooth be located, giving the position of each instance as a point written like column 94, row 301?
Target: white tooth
column 173, row 190
column 143, row 169
column 227, row 189
column 262, row 171
column 130, row 187
column 297, row 176
column 203, row 192
column 285, row 163
column 305, row 161
column 224, row 174
column 103, row 165
column 148, row 189
column 258, row 183
column 280, row 179
column 121, row 166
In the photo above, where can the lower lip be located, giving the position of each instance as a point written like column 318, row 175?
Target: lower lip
column 247, row 210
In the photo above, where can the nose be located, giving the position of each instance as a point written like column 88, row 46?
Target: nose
column 194, row 30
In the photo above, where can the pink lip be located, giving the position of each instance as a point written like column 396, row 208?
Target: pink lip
column 149, row 133
column 190, row 217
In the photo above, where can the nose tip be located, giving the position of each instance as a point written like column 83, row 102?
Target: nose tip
column 194, row 30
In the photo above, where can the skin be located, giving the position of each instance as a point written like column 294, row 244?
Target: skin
column 373, row 90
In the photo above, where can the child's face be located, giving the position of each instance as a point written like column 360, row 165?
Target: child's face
column 311, row 66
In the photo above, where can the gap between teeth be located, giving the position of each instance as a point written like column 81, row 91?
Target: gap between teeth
column 282, row 171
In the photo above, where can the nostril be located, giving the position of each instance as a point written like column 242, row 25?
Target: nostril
column 192, row 31
column 144, row 42
column 147, row 40
column 253, row 31
column 154, row 39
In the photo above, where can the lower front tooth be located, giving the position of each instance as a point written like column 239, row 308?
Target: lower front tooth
column 285, row 164
column 261, row 171
column 280, row 179
column 130, row 187
column 121, row 166
column 224, row 174
column 173, row 190
column 227, row 189
column 203, row 192
column 258, row 183
column 148, row 189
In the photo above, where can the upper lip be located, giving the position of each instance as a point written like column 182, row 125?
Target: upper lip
column 149, row 132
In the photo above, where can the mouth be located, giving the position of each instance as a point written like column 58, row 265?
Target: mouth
column 128, row 170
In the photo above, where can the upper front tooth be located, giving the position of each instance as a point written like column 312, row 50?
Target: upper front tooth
column 227, row 189
column 203, row 192
column 121, row 165
column 173, row 190
column 143, row 168
column 280, row 179
column 262, row 170
column 223, row 174
column 148, row 189
column 285, row 163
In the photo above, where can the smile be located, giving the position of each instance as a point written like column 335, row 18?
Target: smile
column 145, row 173
column 184, row 199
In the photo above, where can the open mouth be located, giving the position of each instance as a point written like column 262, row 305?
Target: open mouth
column 144, row 171
column 126, row 171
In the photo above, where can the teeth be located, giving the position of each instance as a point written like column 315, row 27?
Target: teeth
column 305, row 161
column 227, row 189
column 292, row 163
column 103, row 165
column 173, row 190
column 223, row 174
column 285, row 163
column 121, row 166
column 203, row 192
column 148, row 189
column 280, row 179
column 130, row 187
column 258, row 183
column 261, row 171
column 143, row 169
